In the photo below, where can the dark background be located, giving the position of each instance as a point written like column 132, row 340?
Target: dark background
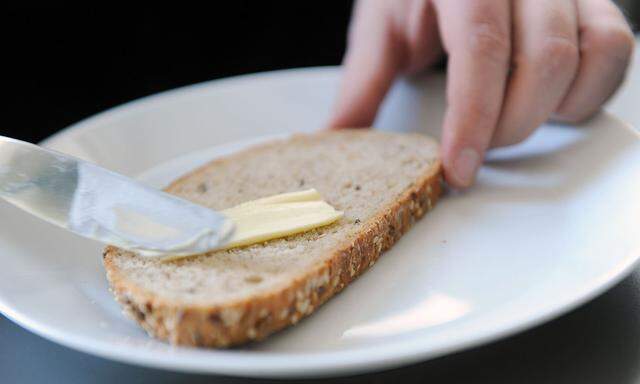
column 67, row 64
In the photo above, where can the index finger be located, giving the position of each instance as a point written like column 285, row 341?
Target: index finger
column 477, row 36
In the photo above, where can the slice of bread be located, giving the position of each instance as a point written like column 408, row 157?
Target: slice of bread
column 382, row 181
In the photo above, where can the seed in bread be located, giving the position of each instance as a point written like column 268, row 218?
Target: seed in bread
column 382, row 182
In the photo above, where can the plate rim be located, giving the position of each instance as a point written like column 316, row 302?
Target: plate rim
column 316, row 364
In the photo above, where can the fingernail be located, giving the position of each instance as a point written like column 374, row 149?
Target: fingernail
column 466, row 165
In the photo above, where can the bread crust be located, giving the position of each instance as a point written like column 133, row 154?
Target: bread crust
column 261, row 315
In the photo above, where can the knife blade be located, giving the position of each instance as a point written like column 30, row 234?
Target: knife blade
column 105, row 206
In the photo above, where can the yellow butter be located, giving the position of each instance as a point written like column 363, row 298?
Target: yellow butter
column 279, row 216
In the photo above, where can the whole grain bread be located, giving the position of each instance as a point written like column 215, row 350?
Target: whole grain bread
column 382, row 181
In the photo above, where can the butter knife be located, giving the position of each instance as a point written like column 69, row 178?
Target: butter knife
column 105, row 206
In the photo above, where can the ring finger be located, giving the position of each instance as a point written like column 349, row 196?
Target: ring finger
column 545, row 58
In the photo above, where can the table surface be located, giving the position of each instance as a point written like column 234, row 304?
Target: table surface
column 597, row 343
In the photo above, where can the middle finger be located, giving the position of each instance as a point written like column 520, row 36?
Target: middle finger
column 545, row 59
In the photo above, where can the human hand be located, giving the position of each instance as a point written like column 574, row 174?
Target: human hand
column 512, row 65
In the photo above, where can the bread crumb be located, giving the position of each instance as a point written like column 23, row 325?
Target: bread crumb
column 202, row 188
column 230, row 316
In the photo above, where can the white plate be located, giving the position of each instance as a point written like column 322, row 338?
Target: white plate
column 550, row 224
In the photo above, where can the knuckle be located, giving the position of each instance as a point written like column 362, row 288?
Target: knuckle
column 475, row 113
column 487, row 39
column 559, row 49
column 614, row 40
column 480, row 113
column 556, row 57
